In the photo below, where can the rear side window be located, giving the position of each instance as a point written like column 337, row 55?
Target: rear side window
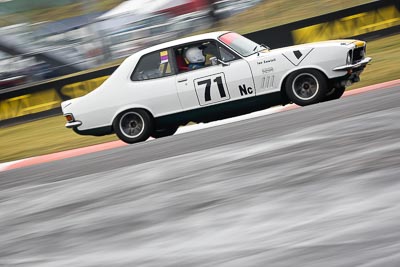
column 152, row 66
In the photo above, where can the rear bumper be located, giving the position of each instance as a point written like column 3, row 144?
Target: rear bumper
column 73, row 124
column 362, row 63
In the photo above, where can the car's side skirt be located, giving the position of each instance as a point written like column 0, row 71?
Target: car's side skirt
column 205, row 114
column 222, row 110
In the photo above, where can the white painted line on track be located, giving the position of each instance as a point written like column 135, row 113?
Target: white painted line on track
column 4, row 166
column 195, row 127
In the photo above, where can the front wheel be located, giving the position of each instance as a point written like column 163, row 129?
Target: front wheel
column 306, row 87
column 133, row 126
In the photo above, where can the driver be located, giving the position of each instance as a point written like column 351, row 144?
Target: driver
column 195, row 57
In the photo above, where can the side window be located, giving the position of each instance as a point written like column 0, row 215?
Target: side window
column 152, row 66
column 226, row 55
column 195, row 56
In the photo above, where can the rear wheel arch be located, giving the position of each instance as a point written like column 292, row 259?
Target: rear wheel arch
column 133, row 125
column 124, row 109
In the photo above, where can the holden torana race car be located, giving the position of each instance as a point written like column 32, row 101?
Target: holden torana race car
column 210, row 77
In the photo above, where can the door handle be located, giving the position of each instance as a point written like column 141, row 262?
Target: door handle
column 182, row 80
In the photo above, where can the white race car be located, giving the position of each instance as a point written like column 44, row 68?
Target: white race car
column 209, row 77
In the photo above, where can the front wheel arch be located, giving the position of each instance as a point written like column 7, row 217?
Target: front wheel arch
column 313, row 73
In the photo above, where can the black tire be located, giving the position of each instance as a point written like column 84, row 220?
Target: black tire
column 335, row 94
column 133, row 126
column 306, row 87
column 159, row 133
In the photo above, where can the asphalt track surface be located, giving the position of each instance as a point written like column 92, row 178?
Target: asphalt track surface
column 314, row 186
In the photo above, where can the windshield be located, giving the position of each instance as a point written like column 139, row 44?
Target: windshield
column 240, row 44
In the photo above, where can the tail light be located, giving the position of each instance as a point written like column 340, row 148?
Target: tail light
column 69, row 117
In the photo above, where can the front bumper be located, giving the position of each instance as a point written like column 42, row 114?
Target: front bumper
column 362, row 63
column 353, row 73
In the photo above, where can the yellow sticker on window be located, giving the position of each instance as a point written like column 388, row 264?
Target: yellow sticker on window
column 164, row 56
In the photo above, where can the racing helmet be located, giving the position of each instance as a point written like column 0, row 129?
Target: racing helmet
column 195, row 55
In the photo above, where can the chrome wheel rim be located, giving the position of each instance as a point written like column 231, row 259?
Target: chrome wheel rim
column 305, row 86
column 131, row 124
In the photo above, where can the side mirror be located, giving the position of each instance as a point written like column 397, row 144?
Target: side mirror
column 266, row 46
column 215, row 61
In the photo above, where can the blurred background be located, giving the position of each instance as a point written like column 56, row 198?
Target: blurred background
column 45, row 39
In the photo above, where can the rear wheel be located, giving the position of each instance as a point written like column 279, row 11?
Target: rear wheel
column 133, row 126
column 336, row 93
column 306, row 87
column 159, row 133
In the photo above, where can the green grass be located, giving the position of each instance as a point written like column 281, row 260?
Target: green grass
column 49, row 135
column 42, row 137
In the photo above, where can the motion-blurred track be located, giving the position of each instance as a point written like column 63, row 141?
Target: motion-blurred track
column 315, row 186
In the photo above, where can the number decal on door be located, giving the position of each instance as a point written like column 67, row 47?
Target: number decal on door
column 211, row 89
column 207, row 94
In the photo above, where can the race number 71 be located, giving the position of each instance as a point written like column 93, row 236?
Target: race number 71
column 211, row 89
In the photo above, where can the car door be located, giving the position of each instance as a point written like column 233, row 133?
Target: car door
column 153, row 84
column 229, row 80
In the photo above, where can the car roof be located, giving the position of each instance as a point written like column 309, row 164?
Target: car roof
column 194, row 38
